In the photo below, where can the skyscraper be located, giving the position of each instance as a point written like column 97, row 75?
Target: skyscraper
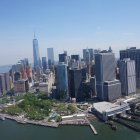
column 108, row 88
column 63, row 57
column 36, row 56
column 75, row 81
column 90, row 51
column 50, row 53
column 62, row 78
column 44, row 63
column 23, row 68
column 76, row 57
column 88, row 57
column 2, row 84
column 127, row 76
column 7, row 81
column 133, row 54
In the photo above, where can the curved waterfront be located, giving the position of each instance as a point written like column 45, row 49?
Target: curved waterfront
column 10, row 130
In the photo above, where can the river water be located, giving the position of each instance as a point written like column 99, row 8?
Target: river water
column 10, row 130
column 5, row 68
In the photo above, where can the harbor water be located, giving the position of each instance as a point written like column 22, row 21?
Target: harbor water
column 11, row 130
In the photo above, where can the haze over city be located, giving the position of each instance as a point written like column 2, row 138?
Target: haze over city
column 70, row 65
column 66, row 25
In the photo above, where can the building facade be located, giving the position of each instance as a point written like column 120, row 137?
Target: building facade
column 63, row 57
column 75, row 81
column 2, row 84
column 44, row 63
column 75, row 57
column 50, row 53
column 127, row 76
column 133, row 54
column 90, row 52
column 7, row 81
column 106, row 83
column 36, row 55
column 62, row 78
column 21, row 86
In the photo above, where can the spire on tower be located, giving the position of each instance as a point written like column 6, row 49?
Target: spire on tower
column 110, row 49
column 34, row 35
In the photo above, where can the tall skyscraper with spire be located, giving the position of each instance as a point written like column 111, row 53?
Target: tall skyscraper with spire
column 36, row 56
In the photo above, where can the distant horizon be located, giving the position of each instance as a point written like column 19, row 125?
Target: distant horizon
column 8, row 65
column 70, row 25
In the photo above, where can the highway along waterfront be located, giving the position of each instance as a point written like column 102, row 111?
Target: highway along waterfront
column 11, row 130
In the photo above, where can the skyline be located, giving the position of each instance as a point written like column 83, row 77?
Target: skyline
column 66, row 25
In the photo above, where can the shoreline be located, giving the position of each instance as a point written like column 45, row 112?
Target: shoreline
column 27, row 121
column 74, row 122
column 18, row 119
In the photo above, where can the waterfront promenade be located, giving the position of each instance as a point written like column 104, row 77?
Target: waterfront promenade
column 78, row 121
column 25, row 120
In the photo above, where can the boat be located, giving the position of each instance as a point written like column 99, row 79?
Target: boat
column 114, row 127
column 2, row 118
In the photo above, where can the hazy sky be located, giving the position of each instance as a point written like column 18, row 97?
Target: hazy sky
column 66, row 25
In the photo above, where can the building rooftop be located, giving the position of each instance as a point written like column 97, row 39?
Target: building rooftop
column 105, row 106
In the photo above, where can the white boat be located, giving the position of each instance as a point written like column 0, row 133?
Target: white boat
column 2, row 118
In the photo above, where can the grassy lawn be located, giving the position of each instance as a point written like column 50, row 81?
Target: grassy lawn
column 38, row 107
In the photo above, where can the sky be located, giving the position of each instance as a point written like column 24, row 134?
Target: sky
column 70, row 25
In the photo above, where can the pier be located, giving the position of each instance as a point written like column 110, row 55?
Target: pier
column 82, row 121
column 130, row 118
column 132, row 126
column 92, row 127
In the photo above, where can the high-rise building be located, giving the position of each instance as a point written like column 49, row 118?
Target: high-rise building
column 62, row 57
column 76, row 57
column 17, row 76
column 36, row 55
column 62, row 78
column 50, row 53
column 105, row 67
column 133, row 54
column 23, row 68
column 86, row 55
column 2, row 84
column 7, row 81
column 44, row 63
column 127, row 76
column 75, row 81
column 110, row 49
column 74, row 64
column 38, row 73
column 108, row 88
column 21, row 86
column 111, row 90
column 29, row 73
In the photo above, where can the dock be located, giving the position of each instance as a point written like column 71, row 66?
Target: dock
column 93, row 129
column 131, row 126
